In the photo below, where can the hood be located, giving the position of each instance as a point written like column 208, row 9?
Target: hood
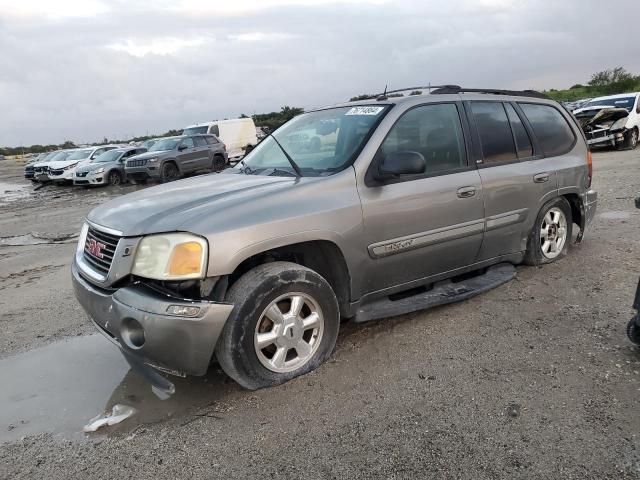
column 172, row 206
column 66, row 163
column 589, row 116
column 149, row 154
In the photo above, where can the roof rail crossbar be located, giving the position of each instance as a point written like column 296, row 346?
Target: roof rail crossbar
column 452, row 89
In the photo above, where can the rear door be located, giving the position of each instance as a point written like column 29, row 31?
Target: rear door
column 188, row 157
column 205, row 156
column 421, row 225
column 516, row 177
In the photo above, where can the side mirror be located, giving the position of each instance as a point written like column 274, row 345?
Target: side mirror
column 182, row 147
column 400, row 163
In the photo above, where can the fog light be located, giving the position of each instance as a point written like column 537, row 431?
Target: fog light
column 183, row 310
column 132, row 333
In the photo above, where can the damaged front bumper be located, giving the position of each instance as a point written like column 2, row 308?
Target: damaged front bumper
column 136, row 320
column 604, row 136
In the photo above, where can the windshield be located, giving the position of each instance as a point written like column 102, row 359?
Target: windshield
column 165, row 144
column 80, row 154
column 320, row 143
column 110, row 156
column 195, row 130
column 60, row 156
column 621, row 102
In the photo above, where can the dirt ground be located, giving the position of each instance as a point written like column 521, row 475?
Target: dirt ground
column 535, row 379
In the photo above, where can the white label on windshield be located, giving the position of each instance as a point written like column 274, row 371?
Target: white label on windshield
column 365, row 111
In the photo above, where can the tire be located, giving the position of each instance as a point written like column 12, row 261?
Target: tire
column 538, row 251
column 169, row 172
column 272, row 286
column 218, row 163
column 633, row 331
column 114, row 178
column 631, row 139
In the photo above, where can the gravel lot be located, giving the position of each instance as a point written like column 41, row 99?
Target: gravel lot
column 535, row 379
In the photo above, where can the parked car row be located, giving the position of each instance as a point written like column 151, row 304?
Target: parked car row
column 164, row 159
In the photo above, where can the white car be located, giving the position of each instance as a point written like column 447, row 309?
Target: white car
column 612, row 120
column 41, row 169
column 62, row 170
column 238, row 134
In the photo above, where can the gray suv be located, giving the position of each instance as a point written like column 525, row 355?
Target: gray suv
column 170, row 157
column 106, row 169
column 359, row 211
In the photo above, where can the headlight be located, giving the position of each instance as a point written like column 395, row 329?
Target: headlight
column 68, row 167
column 152, row 160
column 100, row 170
column 171, row 256
column 619, row 124
column 82, row 238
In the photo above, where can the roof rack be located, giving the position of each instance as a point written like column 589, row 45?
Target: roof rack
column 453, row 89
column 383, row 95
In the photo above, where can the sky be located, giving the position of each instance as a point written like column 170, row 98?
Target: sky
column 85, row 70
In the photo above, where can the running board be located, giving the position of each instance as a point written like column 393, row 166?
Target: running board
column 442, row 293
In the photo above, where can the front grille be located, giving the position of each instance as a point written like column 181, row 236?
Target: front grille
column 82, row 182
column 99, row 248
column 137, row 163
column 55, row 173
column 41, row 169
column 81, row 174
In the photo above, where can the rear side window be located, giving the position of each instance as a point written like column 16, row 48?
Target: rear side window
column 211, row 140
column 435, row 132
column 200, row 141
column 215, row 130
column 551, row 129
column 495, row 133
column 523, row 142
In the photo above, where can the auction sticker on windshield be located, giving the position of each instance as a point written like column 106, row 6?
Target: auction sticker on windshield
column 365, row 111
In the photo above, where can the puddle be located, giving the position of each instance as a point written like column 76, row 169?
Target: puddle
column 616, row 215
column 10, row 192
column 38, row 238
column 58, row 388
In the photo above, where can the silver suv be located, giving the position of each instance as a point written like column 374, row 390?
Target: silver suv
column 362, row 210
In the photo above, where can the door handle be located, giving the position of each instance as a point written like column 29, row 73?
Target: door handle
column 466, row 192
column 541, row 177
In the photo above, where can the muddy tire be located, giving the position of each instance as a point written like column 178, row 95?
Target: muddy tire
column 551, row 233
column 284, row 324
column 631, row 139
column 633, row 331
column 169, row 172
column 114, row 178
column 218, row 163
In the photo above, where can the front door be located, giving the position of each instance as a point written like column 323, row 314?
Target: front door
column 428, row 224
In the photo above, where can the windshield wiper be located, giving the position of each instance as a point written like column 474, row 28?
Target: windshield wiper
column 294, row 165
column 275, row 171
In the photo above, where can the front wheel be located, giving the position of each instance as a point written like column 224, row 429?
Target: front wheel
column 114, row 178
column 631, row 139
column 633, row 331
column 284, row 324
column 169, row 172
column 549, row 239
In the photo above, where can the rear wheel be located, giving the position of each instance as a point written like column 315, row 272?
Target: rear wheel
column 169, row 172
column 284, row 324
column 114, row 178
column 633, row 332
column 218, row 163
column 549, row 239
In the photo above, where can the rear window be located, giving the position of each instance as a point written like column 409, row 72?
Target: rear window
column 523, row 142
column 550, row 128
column 495, row 133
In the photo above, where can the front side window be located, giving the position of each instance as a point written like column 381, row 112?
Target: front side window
column 550, row 128
column 435, row 132
column 188, row 142
column 319, row 143
column 493, row 127
column 523, row 142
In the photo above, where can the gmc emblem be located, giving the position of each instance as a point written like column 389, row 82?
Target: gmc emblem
column 95, row 248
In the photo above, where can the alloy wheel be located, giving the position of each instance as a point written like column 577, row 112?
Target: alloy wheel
column 288, row 332
column 553, row 233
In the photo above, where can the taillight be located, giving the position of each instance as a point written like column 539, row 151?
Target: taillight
column 589, row 168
